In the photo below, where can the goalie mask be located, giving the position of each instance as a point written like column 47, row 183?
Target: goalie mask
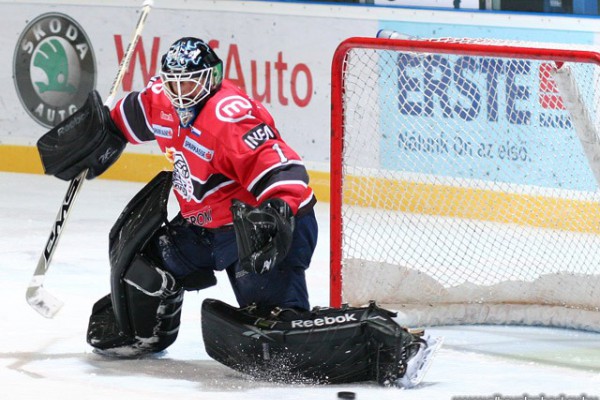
column 191, row 72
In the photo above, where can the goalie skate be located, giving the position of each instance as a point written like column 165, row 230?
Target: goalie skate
column 418, row 364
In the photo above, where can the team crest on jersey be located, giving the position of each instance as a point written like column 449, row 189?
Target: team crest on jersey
column 162, row 131
column 234, row 109
column 182, row 178
column 54, row 68
column 198, row 150
column 258, row 136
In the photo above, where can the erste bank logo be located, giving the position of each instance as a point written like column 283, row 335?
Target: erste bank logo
column 54, row 68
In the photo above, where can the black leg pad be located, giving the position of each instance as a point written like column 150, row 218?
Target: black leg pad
column 349, row 344
column 153, row 303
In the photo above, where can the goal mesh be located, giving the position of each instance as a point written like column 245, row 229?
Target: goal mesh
column 464, row 181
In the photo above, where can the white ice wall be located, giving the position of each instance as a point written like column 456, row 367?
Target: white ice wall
column 285, row 47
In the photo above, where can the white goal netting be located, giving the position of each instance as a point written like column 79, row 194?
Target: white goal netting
column 466, row 174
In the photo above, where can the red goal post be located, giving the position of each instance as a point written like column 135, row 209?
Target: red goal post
column 464, row 181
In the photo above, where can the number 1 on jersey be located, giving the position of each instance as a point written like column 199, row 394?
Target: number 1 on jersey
column 282, row 156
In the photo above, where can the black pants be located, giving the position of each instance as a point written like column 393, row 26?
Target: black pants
column 186, row 248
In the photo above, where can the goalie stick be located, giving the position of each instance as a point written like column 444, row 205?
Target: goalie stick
column 39, row 298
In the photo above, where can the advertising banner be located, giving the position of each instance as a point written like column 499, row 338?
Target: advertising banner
column 280, row 53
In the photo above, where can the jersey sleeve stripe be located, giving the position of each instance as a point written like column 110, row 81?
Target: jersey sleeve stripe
column 210, row 186
column 288, row 173
column 310, row 198
column 280, row 183
column 146, row 120
column 263, row 176
column 131, row 136
column 137, row 127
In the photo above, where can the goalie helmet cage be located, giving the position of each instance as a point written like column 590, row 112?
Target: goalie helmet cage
column 464, row 181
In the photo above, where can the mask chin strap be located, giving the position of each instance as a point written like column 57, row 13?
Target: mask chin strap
column 187, row 115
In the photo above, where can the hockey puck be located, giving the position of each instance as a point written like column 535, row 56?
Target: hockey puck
column 346, row 395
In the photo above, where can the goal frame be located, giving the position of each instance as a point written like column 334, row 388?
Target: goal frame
column 559, row 56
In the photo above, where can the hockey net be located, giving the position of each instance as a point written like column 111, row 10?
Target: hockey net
column 464, row 177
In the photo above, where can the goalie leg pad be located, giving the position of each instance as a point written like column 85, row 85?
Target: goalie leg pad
column 153, row 303
column 103, row 332
column 141, row 218
column 323, row 346
column 143, row 310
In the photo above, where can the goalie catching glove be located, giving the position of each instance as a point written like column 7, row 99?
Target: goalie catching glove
column 88, row 139
column 263, row 234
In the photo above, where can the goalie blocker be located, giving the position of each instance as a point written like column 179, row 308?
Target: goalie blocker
column 325, row 345
column 87, row 139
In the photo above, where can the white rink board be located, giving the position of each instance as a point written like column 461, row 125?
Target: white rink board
column 278, row 40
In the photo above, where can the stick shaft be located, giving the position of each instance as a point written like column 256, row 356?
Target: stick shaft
column 37, row 297
column 124, row 65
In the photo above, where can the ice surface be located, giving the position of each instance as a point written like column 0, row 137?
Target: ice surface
column 48, row 359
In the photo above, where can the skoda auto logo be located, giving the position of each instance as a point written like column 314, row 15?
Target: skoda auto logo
column 54, row 68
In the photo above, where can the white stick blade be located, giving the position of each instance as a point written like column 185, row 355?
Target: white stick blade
column 43, row 302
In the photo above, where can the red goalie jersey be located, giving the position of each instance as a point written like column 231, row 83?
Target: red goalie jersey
column 232, row 151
